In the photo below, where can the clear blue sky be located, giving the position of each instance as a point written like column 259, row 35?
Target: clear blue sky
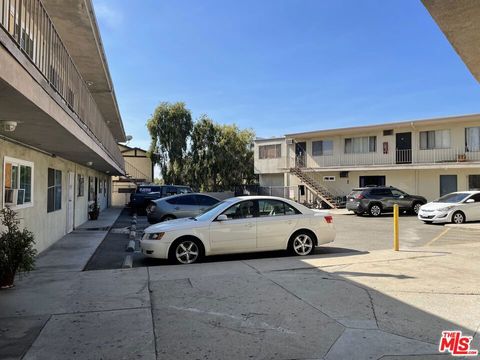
column 282, row 66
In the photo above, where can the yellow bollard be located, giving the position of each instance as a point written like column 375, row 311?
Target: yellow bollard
column 396, row 244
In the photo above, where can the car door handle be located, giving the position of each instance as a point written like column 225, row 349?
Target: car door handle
column 177, row 208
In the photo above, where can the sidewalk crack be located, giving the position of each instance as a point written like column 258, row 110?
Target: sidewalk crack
column 151, row 313
column 36, row 337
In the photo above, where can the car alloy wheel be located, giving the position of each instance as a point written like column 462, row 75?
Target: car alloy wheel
column 375, row 210
column 187, row 252
column 302, row 244
column 416, row 208
column 458, row 218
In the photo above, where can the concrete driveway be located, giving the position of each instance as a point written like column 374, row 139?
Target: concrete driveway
column 341, row 303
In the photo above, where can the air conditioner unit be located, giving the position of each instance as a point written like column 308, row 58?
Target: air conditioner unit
column 14, row 197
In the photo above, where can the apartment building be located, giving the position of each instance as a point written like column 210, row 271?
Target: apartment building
column 426, row 157
column 139, row 169
column 59, row 119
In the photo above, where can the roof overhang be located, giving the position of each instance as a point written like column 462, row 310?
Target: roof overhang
column 394, row 125
column 76, row 25
column 460, row 22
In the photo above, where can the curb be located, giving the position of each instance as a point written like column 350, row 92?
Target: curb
column 127, row 262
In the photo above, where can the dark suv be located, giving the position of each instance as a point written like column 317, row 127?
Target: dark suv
column 380, row 199
column 146, row 193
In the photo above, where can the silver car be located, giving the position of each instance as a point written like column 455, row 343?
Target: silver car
column 178, row 206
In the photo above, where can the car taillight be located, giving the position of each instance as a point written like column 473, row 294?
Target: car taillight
column 359, row 197
column 329, row 219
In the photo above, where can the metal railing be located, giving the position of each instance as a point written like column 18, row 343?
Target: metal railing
column 397, row 157
column 30, row 27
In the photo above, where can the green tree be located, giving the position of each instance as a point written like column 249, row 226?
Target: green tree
column 220, row 156
column 170, row 128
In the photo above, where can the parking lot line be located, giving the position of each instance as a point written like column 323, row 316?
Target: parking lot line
column 438, row 236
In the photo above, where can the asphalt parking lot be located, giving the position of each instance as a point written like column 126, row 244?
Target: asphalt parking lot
column 354, row 235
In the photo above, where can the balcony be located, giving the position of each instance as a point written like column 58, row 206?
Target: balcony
column 28, row 25
column 394, row 159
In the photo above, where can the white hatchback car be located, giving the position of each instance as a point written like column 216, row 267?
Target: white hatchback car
column 457, row 207
column 239, row 225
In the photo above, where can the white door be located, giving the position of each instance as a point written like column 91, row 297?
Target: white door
column 275, row 223
column 70, row 203
column 238, row 233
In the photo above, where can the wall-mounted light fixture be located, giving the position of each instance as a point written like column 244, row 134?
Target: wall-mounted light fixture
column 8, row 126
column 89, row 163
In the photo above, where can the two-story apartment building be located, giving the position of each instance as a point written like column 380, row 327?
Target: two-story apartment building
column 426, row 157
column 59, row 119
column 139, row 169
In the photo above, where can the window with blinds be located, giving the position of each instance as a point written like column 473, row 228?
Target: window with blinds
column 270, row 151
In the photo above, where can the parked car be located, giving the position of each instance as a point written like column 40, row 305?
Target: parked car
column 456, row 207
column 380, row 199
column 239, row 225
column 146, row 193
column 178, row 206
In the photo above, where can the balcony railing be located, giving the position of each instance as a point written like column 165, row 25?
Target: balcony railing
column 29, row 26
column 395, row 158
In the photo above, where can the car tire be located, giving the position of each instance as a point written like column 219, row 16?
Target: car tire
column 416, row 207
column 458, row 217
column 302, row 243
column 168, row 218
column 187, row 250
column 375, row 210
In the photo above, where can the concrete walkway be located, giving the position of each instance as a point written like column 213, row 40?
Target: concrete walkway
column 362, row 305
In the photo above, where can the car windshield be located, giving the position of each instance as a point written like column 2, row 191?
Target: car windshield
column 207, row 214
column 452, row 198
column 355, row 193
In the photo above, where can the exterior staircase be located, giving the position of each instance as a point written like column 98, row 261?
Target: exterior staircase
column 321, row 191
column 132, row 174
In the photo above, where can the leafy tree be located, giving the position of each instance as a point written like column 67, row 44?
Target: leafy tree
column 220, row 156
column 170, row 127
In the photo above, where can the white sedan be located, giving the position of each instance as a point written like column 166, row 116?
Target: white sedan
column 239, row 225
column 457, row 207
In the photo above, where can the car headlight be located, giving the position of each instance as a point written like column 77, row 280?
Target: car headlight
column 153, row 236
column 446, row 208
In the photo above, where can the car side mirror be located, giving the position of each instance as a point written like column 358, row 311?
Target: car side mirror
column 469, row 201
column 401, row 197
column 222, row 217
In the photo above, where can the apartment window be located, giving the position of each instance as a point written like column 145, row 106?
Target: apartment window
column 472, row 138
column 18, row 183
column 54, row 192
column 361, row 145
column 270, row 151
column 329, row 178
column 435, row 139
column 80, row 185
column 473, row 182
column 322, row 147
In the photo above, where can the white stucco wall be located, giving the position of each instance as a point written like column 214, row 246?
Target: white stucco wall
column 49, row 227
